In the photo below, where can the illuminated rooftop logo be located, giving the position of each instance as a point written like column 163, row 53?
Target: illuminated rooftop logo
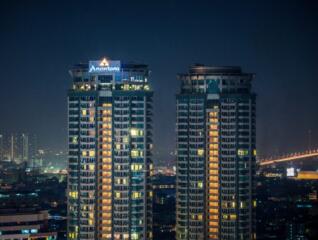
column 104, row 66
column 104, row 63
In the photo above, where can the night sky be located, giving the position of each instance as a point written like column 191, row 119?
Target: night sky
column 276, row 40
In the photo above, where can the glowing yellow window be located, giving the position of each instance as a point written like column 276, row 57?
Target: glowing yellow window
column 214, row 185
column 106, row 201
column 215, row 140
column 213, row 120
column 106, row 194
column 136, row 153
column 242, row 152
column 73, row 194
column 134, row 236
column 254, row 152
column 75, row 140
column 200, row 184
column 213, row 165
column 213, row 178
column 107, row 160
column 106, row 187
column 213, row 224
column 233, row 216
column 126, row 236
column 91, row 167
column 136, row 167
column 214, row 134
column 135, row 195
column 213, row 127
column 213, row 230
column 117, row 194
column 107, row 167
column 200, row 152
column 92, row 153
column 212, row 210
column 215, row 152
column 254, row 203
column 136, row 132
column 213, row 204
column 84, row 112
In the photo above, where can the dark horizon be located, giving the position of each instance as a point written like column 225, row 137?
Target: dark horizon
column 277, row 41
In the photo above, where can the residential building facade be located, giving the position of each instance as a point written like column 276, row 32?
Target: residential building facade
column 110, row 144
column 216, row 154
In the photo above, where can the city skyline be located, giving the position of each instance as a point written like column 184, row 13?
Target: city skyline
column 42, row 40
column 159, row 120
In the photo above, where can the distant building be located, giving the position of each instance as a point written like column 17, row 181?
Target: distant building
column 34, row 156
column 216, row 155
column 24, row 147
column 110, row 144
column 25, row 224
column 1, row 148
column 18, row 147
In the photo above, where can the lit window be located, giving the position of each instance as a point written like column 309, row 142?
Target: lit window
column 254, row 203
column 242, row 152
column 146, row 87
column 92, row 167
column 134, row 236
column 136, row 132
column 136, row 153
column 254, row 152
column 92, row 153
column 73, row 194
column 200, row 152
column 74, row 140
column 135, row 195
column 117, row 195
column 136, row 167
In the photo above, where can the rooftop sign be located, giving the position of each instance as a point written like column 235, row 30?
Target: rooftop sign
column 104, row 66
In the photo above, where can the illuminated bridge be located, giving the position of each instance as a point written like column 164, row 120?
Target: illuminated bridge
column 290, row 157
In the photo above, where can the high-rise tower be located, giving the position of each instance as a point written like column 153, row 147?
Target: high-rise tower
column 110, row 142
column 216, row 154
